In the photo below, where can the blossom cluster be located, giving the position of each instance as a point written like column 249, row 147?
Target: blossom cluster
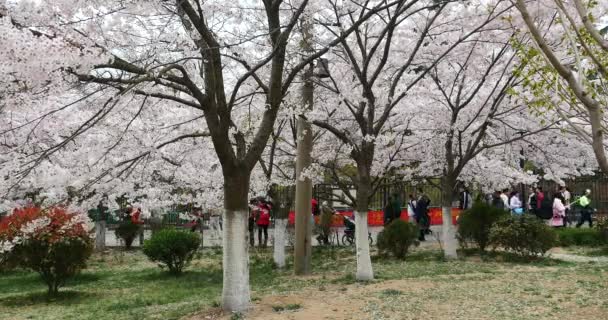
column 47, row 225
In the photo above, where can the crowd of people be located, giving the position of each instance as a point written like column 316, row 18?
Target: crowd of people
column 558, row 209
column 417, row 210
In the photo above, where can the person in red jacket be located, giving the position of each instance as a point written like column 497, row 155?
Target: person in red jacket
column 540, row 196
column 263, row 221
column 135, row 215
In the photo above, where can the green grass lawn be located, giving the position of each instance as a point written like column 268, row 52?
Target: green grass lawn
column 124, row 285
column 601, row 251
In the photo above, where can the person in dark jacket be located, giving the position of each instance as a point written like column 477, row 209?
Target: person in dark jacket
column 392, row 211
column 388, row 211
column 466, row 200
column 584, row 202
column 253, row 212
column 497, row 201
column 396, row 206
column 422, row 214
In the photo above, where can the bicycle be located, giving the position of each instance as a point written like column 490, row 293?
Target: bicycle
column 348, row 239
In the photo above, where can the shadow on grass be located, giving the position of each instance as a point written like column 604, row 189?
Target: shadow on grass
column 191, row 278
column 512, row 258
column 64, row 297
column 18, row 280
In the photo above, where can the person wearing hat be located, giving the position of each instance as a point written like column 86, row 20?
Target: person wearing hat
column 585, row 203
column 327, row 215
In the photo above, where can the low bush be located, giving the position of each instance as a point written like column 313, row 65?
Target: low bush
column 601, row 225
column 397, row 238
column 474, row 224
column 127, row 231
column 54, row 243
column 525, row 235
column 172, row 248
column 579, row 237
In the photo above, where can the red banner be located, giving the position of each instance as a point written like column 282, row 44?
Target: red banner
column 376, row 218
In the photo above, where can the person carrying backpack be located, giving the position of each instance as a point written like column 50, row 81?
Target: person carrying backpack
column 545, row 207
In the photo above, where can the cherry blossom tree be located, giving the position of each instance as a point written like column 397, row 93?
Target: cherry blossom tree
column 567, row 56
column 474, row 128
column 376, row 70
column 221, row 70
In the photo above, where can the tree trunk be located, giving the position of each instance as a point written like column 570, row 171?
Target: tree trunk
column 279, row 242
column 303, row 245
column 365, row 271
column 448, row 236
column 100, row 235
column 235, row 293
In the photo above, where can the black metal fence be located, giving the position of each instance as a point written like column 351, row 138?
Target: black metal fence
column 598, row 184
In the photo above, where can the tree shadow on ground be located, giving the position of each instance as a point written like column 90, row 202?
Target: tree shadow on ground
column 511, row 258
column 190, row 278
column 65, row 297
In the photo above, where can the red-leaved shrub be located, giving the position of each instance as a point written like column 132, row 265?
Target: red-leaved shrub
column 53, row 242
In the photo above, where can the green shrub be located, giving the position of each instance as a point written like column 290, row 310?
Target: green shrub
column 525, row 235
column 127, row 231
column 474, row 224
column 601, row 225
column 172, row 248
column 397, row 238
column 579, row 237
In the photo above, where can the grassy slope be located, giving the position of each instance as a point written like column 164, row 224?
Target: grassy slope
column 126, row 286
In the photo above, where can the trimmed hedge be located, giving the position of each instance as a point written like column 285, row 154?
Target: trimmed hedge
column 524, row 235
column 172, row 248
column 589, row 237
column 397, row 238
column 474, row 224
column 128, row 231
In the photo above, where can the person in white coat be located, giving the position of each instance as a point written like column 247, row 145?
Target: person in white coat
column 411, row 208
column 505, row 198
column 515, row 203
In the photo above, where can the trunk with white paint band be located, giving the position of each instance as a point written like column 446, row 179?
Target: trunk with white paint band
column 365, row 271
column 279, row 242
column 235, row 294
column 448, row 236
column 100, row 235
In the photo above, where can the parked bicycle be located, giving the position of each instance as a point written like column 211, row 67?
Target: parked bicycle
column 348, row 239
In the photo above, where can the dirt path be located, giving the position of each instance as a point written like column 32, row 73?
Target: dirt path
column 517, row 292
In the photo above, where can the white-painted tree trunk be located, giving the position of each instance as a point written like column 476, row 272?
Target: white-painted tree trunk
column 279, row 242
column 364, row 261
column 450, row 245
column 100, row 235
column 235, row 293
